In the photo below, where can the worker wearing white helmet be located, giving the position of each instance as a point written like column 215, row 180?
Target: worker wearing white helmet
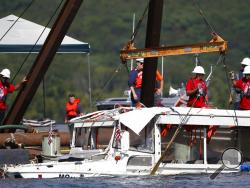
column 235, row 95
column 5, row 88
column 245, row 62
column 243, row 85
column 5, row 73
column 139, row 60
column 196, row 88
column 135, row 84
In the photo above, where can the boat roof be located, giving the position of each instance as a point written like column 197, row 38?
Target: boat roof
column 88, row 124
column 137, row 119
column 103, row 118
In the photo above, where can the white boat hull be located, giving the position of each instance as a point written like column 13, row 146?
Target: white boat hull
column 106, row 168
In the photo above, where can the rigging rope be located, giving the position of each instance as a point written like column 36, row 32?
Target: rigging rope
column 108, row 81
column 126, row 66
column 132, row 38
column 211, row 28
column 229, row 88
column 183, row 121
column 29, row 5
column 226, row 71
column 222, row 55
column 27, row 56
column 209, row 78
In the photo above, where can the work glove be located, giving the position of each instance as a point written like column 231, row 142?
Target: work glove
column 230, row 100
column 232, row 75
column 200, row 90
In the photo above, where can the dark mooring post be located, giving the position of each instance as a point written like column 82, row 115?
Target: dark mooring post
column 43, row 61
column 152, row 40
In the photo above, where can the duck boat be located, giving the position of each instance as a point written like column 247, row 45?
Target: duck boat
column 136, row 144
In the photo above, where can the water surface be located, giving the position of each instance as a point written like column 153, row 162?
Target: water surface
column 194, row 181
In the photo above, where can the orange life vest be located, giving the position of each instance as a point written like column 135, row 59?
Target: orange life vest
column 71, row 109
column 138, row 80
column 158, row 80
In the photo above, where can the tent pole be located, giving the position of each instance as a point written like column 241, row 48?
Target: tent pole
column 162, row 70
column 133, row 30
column 44, row 99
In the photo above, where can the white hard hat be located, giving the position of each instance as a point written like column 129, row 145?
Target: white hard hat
column 245, row 61
column 141, row 60
column 5, row 73
column 198, row 70
column 246, row 70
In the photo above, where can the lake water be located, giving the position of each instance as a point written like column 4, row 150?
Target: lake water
column 238, row 180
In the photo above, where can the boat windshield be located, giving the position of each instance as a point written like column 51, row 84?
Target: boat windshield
column 93, row 138
column 142, row 143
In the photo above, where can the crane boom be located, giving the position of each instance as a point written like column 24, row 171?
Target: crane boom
column 43, row 60
column 217, row 44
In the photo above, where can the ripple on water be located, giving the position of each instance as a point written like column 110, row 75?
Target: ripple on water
column 181, row 181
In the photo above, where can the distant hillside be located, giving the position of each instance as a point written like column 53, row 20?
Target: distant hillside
column 107, row 26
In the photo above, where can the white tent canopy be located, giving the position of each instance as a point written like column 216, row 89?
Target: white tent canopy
column 24, row 34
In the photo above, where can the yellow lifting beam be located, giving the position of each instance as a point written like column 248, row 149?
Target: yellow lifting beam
column 217, row 44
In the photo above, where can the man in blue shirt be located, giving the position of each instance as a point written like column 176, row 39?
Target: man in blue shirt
column 135, row 82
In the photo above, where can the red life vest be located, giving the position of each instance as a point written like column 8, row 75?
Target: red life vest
column 71, row 108
column 194, row 100
column 138, row 80
column 244, row 85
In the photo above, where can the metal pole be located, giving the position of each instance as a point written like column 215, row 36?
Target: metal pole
column 44, row 99
column 90, row 88
column 152, row 40
column 133, row 30
column 162, row 66
column 162, row 71
column 205, row 145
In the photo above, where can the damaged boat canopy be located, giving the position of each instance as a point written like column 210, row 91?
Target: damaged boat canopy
column 137, row 119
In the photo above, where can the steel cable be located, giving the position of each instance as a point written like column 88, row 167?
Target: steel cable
column 132, row 38
column 108, row 82
column 211, row 28
column 27, row 56
column 29, row 5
